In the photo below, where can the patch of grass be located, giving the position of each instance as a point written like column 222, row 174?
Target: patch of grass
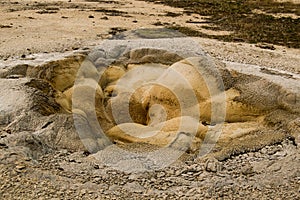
column 239, row 17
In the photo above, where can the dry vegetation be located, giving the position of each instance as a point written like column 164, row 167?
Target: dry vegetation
column 250, row 20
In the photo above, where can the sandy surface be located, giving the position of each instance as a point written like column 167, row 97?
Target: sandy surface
column 71, row 26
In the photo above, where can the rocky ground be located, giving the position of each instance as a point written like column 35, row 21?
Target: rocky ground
column 36, row 32
column 270, row 173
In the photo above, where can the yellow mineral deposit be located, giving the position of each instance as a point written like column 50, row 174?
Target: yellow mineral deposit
column 159, row 103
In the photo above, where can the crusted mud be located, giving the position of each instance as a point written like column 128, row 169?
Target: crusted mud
column 148, row 114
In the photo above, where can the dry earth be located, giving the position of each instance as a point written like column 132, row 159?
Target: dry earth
column 43, row 33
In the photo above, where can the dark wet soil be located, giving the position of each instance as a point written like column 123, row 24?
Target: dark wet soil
column 243, row 19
